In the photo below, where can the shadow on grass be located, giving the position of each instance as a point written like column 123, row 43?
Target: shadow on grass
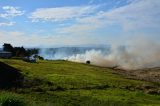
column 10, row 77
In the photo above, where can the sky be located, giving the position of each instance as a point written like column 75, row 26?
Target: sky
column 50, row 23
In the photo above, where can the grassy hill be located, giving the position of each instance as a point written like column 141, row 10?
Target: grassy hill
column 63, row 83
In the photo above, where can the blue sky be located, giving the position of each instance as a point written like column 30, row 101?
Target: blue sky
column 49, row 23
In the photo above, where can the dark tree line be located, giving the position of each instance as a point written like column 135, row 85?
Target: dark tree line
column 19, row 51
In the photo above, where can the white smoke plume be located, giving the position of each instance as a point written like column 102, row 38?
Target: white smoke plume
column 97, row 57
column 137, row 54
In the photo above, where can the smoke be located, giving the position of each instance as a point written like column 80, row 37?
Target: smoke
column 137, row 54
column 53, row 54
column 66, row 52
column 134, row 54
column 97, row 57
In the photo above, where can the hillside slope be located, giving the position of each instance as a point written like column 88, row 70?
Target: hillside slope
column 63, row 83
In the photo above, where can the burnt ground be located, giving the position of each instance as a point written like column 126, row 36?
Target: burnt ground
column 9, row 76
column 148, row 74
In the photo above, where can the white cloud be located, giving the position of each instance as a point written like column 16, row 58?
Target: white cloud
column 7, row 24
column 91, row 1
column 19, row 38
column 137, row 15
column 77, row 29
column 10, row 12
column 62, row 13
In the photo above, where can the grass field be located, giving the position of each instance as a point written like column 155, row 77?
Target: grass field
column 63, row 83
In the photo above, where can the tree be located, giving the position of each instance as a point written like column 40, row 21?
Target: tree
column 31, row 52
column 8, row 47
column 19, row 51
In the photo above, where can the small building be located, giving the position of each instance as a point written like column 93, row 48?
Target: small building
column 4, row 54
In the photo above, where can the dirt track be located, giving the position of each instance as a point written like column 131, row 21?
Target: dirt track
column 148, row 74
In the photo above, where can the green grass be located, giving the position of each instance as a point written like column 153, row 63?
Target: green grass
column 10, row 99
column 63, row 83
